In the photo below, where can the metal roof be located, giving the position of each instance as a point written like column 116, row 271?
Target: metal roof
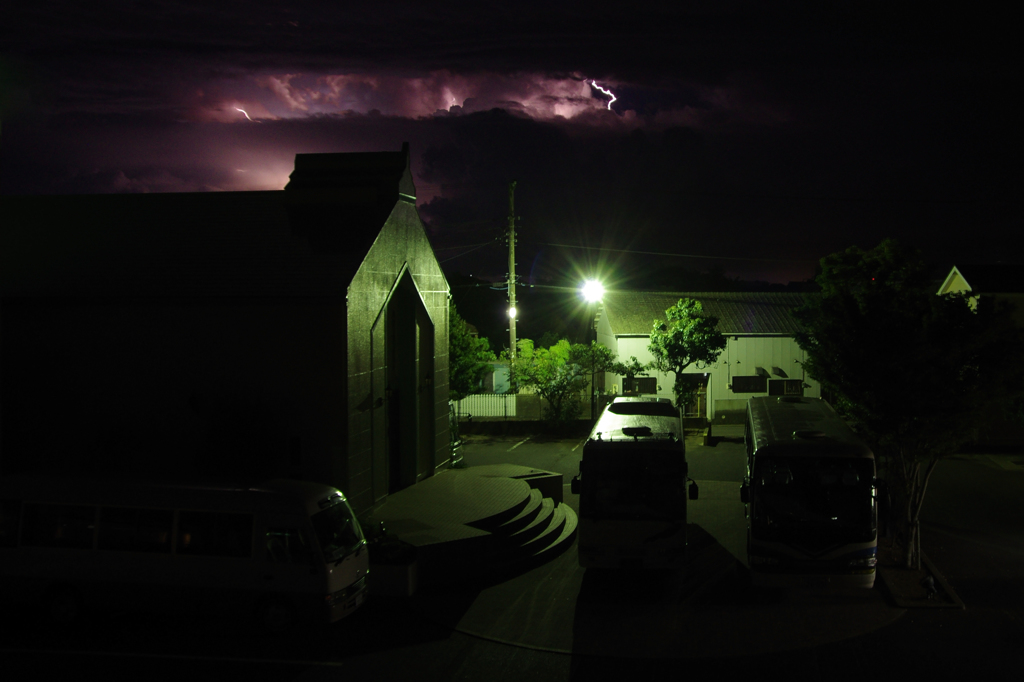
column 795, row 426
column 634, row 312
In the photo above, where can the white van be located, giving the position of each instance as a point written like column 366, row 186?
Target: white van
column 632, row 487
column 283, row 552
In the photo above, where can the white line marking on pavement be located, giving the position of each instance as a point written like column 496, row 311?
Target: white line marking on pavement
column 579, row 444
column 517, row 445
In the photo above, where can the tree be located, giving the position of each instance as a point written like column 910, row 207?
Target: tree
column 560, row 373
column 595, row 359
column 630, row 370
column 467, row 357
column 685, row 337
column 918, row 371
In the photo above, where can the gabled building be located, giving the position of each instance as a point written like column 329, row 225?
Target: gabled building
column 761, row 356
column 995, row 281
column 244, row 335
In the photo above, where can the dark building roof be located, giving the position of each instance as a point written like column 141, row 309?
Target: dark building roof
column 634, row 312
column 994, row 278
column 308, row 239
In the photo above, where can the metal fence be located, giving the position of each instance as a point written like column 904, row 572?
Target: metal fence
column 487, row 405
column 521, row 406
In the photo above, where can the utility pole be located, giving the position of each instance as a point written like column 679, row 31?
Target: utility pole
column 512, row 270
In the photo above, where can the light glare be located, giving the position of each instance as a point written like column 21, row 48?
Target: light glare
column 592, row 291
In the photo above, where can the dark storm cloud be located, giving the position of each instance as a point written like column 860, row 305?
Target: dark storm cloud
column 736, row 132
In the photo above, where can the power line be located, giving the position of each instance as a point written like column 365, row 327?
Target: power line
column 674, row 255
column 462, row 246
column 460, row 255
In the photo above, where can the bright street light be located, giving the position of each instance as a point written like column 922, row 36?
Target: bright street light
column 592, row 291
column 512, row 312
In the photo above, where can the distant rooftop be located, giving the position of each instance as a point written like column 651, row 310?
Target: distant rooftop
column 634, row 312
column 308, row 239
column 994, row 278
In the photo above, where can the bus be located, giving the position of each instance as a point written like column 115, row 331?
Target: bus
column 632, row 487
column 284, row 552
column 810, row 496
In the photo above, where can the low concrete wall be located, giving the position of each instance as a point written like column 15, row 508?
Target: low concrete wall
column 521, row 427
column 732, row 411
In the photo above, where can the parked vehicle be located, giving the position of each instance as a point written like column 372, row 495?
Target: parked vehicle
column 283, row 552
column 810, row 495
column 632, row 487
column 455, row 441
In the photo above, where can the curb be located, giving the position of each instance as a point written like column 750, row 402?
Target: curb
column 904, row 603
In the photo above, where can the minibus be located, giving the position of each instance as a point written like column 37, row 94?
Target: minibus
column 282, row 552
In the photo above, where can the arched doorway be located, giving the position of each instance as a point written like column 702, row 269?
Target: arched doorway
column 403, row 348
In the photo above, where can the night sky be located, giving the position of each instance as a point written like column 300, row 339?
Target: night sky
column 749, row 141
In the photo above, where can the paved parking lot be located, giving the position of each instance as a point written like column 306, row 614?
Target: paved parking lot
column 973, row 532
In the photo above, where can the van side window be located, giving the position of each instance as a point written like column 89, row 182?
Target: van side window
column 59, row 525
column 135, row 530
column 214, row 534
column 287, row 546
column 10, row 515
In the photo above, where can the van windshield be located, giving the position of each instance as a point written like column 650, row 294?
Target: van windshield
column 337, row 531
column 644, row 485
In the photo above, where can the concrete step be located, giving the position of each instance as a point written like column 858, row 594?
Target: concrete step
column 538, row 526
column 547, row 528
column 486, row 520
column 558, row 534
column 565, row 538
column 554, row 526
column 525, row 518
column 547, row 482
column 495, row 521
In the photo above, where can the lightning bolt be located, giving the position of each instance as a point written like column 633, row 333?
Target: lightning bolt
column 243, row 111
column 607, row 92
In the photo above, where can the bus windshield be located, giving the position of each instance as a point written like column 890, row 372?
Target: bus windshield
column 810, row 494
column 337, row 531
column 622, row 485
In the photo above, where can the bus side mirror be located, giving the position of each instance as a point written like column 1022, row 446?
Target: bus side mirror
column 574, row 485
column 693, row 490
column 745, row 493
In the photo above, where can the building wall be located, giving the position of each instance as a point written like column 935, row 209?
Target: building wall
column 741, row 356
column 226, row 387
column 956, row 284
column 401, row 249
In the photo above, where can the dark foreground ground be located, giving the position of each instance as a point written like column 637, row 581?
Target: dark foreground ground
column 613, row 626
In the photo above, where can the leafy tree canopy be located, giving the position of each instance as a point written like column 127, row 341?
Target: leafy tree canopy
column 631, row 368
column 561, row 373
column 920, row 372
column 686, row 336
column 468, row 356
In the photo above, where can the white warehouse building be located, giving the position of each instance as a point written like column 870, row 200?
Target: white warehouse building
column 761, row 356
